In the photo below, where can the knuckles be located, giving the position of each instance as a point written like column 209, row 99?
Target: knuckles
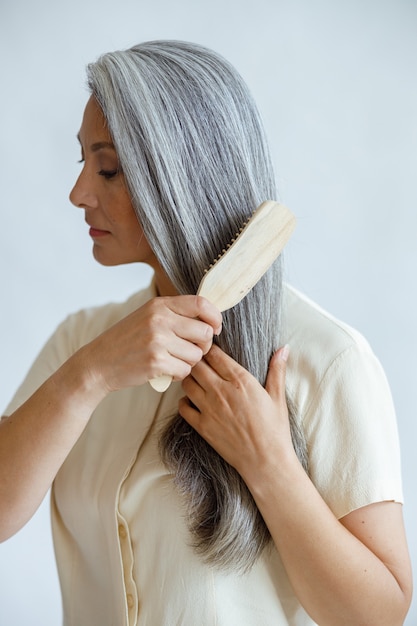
column 186, row 371
column 198, row 355
column 208, row 312
column 155, row 362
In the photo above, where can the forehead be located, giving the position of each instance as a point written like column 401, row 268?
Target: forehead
column 93, row 126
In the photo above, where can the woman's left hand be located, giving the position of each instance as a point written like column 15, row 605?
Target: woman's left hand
column 230, row 409
column 249, row 428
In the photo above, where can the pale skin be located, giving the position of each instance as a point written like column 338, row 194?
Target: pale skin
column 349, row 572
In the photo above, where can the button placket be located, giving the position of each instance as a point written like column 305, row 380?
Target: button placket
column 126, row 554
column 122, row 531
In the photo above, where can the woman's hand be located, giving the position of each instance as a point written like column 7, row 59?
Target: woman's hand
column 249, row 428
column 167, row 335
column 163, row 336
column 245, row 423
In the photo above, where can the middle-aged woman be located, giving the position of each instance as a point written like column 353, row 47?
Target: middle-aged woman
column 263, row 487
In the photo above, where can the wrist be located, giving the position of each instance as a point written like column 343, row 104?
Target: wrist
column 81, row 379
column 273, row 474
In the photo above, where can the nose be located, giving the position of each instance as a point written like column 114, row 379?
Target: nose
column 82, row 194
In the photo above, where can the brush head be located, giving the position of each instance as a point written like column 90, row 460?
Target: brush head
column 243, row 262
column 239, row 267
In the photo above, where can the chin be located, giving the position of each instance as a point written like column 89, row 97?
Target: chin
column 106, row 259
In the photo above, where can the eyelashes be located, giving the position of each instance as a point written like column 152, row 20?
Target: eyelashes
column 107, row 174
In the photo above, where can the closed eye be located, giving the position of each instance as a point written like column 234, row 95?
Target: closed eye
column 108, row 174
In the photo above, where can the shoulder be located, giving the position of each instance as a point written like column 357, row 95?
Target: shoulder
column 344, row 403
column 84, row 325
column 75, row 331
column 309, row 325
column 334, row 377
column 322, row 347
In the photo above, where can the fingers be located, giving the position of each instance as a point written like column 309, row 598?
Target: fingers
column 217, row 367
column 194, row 394
column 197, row 307
column 189, row 412
column 240, row 419
column 275, row 382
column 195, row 332
column 191, row 318
column 164, row 336
column 214, row 380
column 222, row 364
column 180, row 331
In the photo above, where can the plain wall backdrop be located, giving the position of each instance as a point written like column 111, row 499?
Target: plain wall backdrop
column 336, row 82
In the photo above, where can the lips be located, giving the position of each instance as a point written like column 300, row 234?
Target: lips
column 97, row 232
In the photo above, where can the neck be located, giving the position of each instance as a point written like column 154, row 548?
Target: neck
column 163, row 285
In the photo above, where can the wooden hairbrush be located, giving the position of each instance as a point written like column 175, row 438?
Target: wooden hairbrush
column 239, row 266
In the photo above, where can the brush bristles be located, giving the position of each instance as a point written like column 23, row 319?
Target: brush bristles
column 223, row 252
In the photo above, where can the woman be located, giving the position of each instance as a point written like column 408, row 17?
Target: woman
column 250, row 492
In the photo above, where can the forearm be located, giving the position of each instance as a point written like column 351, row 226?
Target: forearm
column 36, row 439
column 353, row 572
column 162, row 336
column 337, row 578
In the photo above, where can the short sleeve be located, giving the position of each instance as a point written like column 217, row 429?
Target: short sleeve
column 78, row 329
column 54, row 353
column 352, row 433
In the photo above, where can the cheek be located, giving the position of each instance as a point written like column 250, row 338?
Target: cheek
column 132, row 230
column 132, row 225
column 126, row 225
column 120, row 210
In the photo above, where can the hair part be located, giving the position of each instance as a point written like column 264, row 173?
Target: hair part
column 194, row 155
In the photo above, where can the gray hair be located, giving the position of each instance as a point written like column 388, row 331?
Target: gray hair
column 194, row 155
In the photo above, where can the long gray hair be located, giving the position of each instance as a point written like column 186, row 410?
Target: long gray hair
column 193, row 151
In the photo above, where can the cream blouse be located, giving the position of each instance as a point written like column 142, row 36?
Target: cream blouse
column 122, row 544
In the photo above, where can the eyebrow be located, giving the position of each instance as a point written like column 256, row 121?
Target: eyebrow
column 100, row 145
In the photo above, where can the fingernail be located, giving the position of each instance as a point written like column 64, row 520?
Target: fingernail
column 285, row 353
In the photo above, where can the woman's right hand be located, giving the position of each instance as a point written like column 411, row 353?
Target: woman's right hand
column 167, row 335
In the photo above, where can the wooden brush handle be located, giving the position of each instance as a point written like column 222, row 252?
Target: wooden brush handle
column 245, row 261
column 161, row 383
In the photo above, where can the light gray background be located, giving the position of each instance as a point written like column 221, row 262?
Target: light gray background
column 336, row 83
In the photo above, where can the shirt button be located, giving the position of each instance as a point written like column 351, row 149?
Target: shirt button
column 122, row 531
column 130, row 601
